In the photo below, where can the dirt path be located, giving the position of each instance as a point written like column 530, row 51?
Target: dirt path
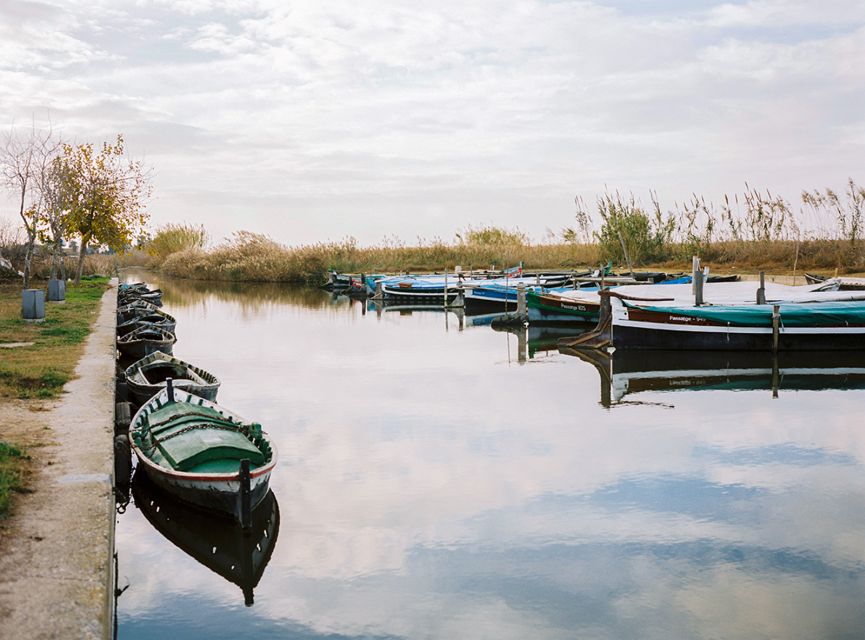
column 56, row 552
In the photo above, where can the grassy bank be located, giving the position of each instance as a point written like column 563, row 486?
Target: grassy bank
column 40, row 369
column 254, row 258
column 12, row 462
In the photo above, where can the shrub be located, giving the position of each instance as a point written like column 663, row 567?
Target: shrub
column 175, row 237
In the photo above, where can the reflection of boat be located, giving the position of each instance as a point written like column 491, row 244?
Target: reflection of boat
column 147, row 376
column 223, row 547
column 145, row 340
column 196, row 450
column 628, row 372
column 540, row 339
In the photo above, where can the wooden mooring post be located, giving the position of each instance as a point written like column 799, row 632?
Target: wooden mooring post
column 245, row 495
column 776, row 327
column 698, row 288
column 761, row 291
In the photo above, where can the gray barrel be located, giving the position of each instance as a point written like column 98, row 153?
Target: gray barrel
column 56, row 290
column 33, row 304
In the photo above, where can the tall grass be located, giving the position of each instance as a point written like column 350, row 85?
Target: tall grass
column 256, row 258
column 752, row 230
column 172, row 238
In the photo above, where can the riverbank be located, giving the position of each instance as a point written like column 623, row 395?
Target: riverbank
column 56, row 554
column 254, row 258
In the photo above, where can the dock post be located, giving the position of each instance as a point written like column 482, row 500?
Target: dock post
column 521, row 301
column 776, row 376
column 695, row 267
column 169, row 387
column 522, row 345
column 446, row 289
column 379, row 291
column 698, row 288
column 245, row 495
column 776, row 327
column 761, row 292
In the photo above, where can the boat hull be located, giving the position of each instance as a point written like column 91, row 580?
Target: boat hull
column 545, row 308
column 216, row 492
column 646, row 329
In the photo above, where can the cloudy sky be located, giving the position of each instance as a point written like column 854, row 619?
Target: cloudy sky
column 317, row 120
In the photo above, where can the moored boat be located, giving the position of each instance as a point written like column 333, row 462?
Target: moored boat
column 146, row 377
column 145, row 340
column 155, row 318
column 813, row 317
column 196, row 449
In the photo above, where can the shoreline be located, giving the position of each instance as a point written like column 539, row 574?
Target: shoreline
column 57, row 571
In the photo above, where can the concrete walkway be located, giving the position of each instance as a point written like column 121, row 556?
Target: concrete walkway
column 56, row 578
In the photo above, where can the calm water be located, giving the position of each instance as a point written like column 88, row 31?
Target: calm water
column 439, row 483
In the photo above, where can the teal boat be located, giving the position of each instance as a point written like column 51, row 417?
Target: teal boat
column 195, row 449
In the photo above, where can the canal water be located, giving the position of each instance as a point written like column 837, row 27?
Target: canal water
column 443, row 480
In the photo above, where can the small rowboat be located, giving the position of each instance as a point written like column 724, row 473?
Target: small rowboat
column 133, row 309
column 146, row 340
column 126, row 296
column 147, row 377
column 156, row 318
column 202, row 453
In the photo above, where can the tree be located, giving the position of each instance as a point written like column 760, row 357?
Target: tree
column 22, row 157
column 105, row 194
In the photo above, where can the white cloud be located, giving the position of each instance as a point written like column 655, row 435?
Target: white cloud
column 329, row 119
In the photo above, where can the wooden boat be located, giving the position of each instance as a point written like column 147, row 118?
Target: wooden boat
column 132, row 294
column 813, row 317
column 220, row 545
column 147, row 377
column 553, row 307
column 146, row 340
column 156, row 318
column 195, row 450
column 133, row 309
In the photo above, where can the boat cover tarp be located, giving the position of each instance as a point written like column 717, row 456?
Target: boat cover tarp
column 822, row 314
column 188, row 436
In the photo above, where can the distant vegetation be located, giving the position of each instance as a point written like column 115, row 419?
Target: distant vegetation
column 750, row 231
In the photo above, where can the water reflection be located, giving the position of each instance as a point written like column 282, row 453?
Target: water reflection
column 438, row 492
column 217, row 543
column 628, row 372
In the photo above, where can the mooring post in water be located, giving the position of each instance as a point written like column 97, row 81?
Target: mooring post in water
column 776, row 376
column 379, row 293
column 695, row 267
column 761, row 292
column 446, row 288
column 776, row 327
column 698, row 288
column 169, row 387
column 521, row 300
column 245, row 495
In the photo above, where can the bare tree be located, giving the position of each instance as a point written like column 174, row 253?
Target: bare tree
column 21, row 155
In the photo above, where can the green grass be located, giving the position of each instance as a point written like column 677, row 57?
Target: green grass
column 11, row 475
column 41, row 370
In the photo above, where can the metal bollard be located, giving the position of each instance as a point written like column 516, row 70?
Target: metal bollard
column 33, row 304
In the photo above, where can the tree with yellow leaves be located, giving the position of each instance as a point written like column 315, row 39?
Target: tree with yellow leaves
column 105, row 192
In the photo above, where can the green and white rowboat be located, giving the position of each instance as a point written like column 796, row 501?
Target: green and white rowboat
column 193, row 448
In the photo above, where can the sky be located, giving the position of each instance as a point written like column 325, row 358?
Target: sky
column 314, row 121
